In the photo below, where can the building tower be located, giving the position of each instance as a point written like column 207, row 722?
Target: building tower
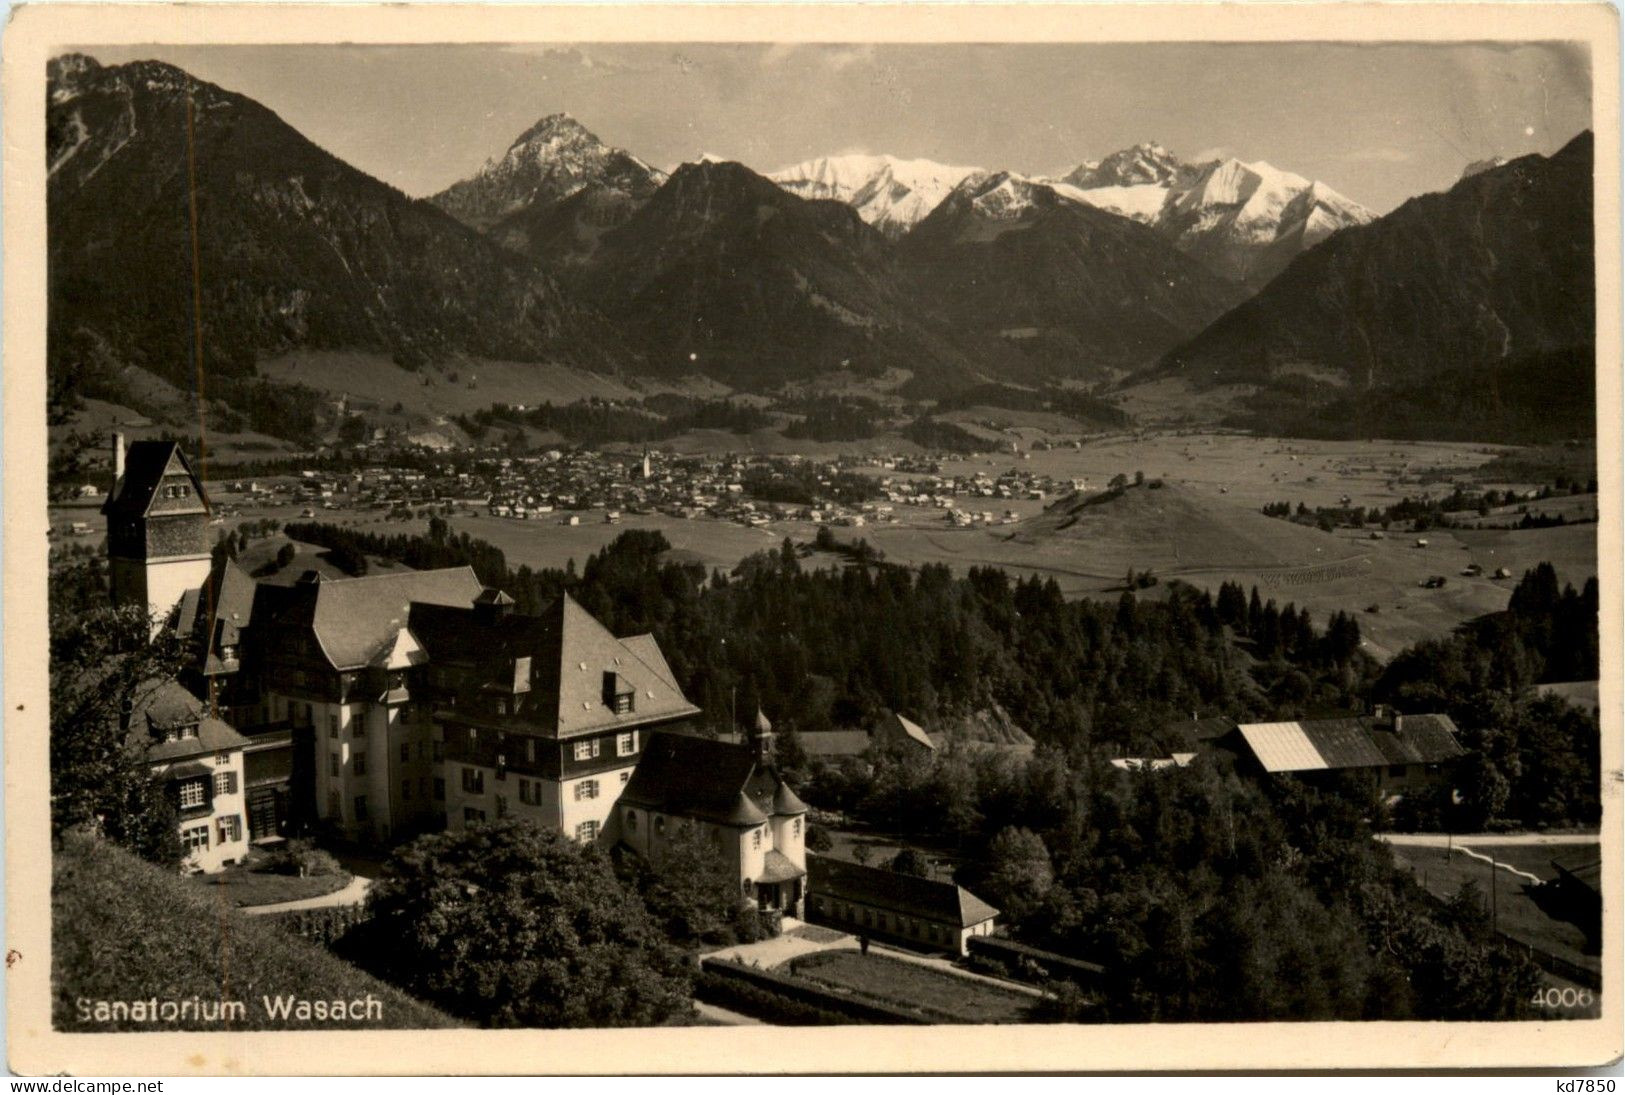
column 648, row 469
column 761, row 739
column 157, row 527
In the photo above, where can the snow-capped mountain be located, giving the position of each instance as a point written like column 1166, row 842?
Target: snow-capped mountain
column 1245, row 220
column 547, row 163
column 890, row 193
column 1142, row 165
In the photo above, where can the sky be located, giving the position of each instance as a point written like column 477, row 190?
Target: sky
column 1377, row 122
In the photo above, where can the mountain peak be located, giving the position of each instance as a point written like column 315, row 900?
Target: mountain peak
column 553, row 159
column 1145, row 164
column 554, row 127
column 890, row 192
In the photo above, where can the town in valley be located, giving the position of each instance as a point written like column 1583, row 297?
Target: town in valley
column 574, row 592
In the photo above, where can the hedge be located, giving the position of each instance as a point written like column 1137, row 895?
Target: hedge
column 769, row 1005
column 126, row 932
column 1015, row 956
column 807, row 994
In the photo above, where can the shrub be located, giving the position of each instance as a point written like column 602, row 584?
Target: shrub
column 108, row 943
column 302, row 858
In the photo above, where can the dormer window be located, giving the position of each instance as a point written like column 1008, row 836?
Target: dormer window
column 619, row 695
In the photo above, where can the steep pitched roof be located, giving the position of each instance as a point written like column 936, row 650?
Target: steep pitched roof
column 902, row 893
column 145, row 464
column 354, row 619
column 707, row 779
column 570, row 652
column 161, row 705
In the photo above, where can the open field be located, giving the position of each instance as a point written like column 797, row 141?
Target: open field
column 942, row 996
column 1517, row 913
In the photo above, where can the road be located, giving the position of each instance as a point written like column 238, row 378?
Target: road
column 1442, row 840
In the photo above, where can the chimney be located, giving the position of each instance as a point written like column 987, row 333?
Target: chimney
column 118, row 457
column 1399, row 721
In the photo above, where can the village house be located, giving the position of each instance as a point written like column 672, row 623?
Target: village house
column 1402, row 753
column 199, row 760
column 884, row 904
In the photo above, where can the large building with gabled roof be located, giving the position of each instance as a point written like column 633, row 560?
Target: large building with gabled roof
column 542, row 716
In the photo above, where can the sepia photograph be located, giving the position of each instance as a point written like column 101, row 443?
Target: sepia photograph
column 901, row 530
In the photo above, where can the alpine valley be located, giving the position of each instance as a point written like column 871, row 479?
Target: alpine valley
column 1241, row 293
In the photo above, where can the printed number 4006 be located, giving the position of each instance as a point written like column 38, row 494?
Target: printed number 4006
column 1563, row 998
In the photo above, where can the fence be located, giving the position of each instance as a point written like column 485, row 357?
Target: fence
column 325, row 925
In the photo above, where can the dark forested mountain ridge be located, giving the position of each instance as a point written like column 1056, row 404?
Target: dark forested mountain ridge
column 723, row 272
column 161, row 184
column 1080, row 290
column 1489, row 280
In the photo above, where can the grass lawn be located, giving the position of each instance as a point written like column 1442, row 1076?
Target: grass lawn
column 1536, row 859
column 941, row 996
column 243, row 886
column 1517, row 913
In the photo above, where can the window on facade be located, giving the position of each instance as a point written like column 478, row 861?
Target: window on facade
column 222, row 759
column 225, row 783
column 626, row 744
column 191, row 794
column 333, row 805
column 332, row 726
column 660, row 824
column 587, row 832
column 502, row 806
column 333, row 765
column 358, row 722
column 797, row 828
column 530, row 750
column 196, row 838
column 756, row 838
column 406, row 790
column 625, row 776
column 588, row 788
column 473, row 781
column 586, row 750
column 471, row 815
column 631, row 821
column 619, row 695
column 406, row 751
column 188, row 731
column 229, row 829
column 439, row 751
column 439, row 789
column 361, row 764
column 361, row 807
